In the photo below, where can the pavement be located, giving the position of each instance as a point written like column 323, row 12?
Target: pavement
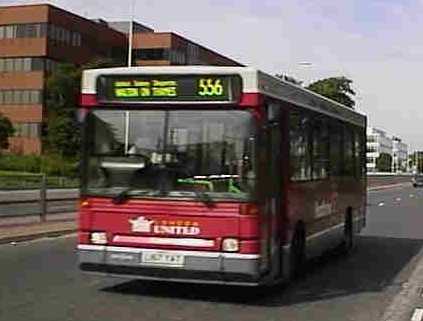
column 25, row 228
column 21, row 222
column 380, row 280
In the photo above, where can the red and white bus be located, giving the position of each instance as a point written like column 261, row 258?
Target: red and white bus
column 214, row 175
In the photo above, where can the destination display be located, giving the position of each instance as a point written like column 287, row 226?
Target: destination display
column 213, row 88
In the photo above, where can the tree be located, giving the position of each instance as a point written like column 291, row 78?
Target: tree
column 336, row 88
column 384, row 163
column 6, row 131
column 289, row 79
column 63, row 86
column 62, row 94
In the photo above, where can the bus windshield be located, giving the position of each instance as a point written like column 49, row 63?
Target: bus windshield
column 177, row 153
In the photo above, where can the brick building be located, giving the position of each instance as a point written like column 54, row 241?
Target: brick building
column 168, row 48
column 35, row 38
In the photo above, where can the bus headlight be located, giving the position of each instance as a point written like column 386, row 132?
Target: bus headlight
column 98, row 238
column 230, row 245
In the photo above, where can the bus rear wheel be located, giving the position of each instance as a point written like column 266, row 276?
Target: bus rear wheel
column 297, row 254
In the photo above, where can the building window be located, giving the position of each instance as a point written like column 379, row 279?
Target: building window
column 193, row 54
column 27, row 30
column 61, row 35
column 177, row 57
column 9, row 65
column 50, row 65
column 152, row 54
column 35, row 97
column 8, row 97
column 20, row 97
column 10, row 32
column 30, row 130
column 76, row 39
column 17, row 96
column 26, row 64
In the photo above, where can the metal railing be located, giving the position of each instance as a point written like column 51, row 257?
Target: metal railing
column 38, row 198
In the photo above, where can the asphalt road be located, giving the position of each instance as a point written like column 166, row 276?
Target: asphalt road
column 39, row 280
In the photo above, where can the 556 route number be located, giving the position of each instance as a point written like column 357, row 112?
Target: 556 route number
column 210, row 87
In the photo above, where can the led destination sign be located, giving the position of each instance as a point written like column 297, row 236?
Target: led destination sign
column 214, row 88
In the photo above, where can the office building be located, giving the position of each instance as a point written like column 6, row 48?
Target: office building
column 35, row 38
column 378, row 143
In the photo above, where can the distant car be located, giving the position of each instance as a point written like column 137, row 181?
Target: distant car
column 417, row 181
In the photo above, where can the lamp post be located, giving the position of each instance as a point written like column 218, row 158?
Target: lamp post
column 131, row 34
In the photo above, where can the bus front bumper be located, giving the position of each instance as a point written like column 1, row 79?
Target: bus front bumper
column 198, row 266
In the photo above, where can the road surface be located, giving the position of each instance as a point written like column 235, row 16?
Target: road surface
column 39, row 280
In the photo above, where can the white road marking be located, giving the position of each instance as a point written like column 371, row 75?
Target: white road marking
column 417, row 315
column 408, row 300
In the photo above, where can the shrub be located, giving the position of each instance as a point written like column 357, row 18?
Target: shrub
column 51, row 165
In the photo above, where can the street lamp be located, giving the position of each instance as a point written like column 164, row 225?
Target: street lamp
column 131, row 34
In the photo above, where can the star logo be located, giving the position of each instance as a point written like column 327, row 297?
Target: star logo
column 141, row 224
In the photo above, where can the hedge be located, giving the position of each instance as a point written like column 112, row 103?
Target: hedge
column 51, row 165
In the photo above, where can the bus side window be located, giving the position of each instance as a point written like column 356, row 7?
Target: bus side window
column 357, row 154
column 349, row 161
column 336, row 150
column 320, row 159
column 300, row 143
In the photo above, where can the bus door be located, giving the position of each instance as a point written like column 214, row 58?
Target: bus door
column 273, row 187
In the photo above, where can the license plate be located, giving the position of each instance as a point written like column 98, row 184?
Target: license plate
column 163, row 259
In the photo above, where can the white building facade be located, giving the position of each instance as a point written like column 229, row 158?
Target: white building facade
column 378, row 142
column 399, row 156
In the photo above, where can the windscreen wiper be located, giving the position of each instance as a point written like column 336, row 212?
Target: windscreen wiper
column 205, row 198
column 200, row 195
column 123, row 196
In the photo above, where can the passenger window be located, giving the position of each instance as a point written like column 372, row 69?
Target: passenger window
column 349, row 153
column 320, row 150
column 300, row 141
column 336, row 150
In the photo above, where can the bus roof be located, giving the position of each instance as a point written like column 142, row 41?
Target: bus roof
column 253, row 81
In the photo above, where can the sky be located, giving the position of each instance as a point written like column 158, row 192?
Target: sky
column 376, row 43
